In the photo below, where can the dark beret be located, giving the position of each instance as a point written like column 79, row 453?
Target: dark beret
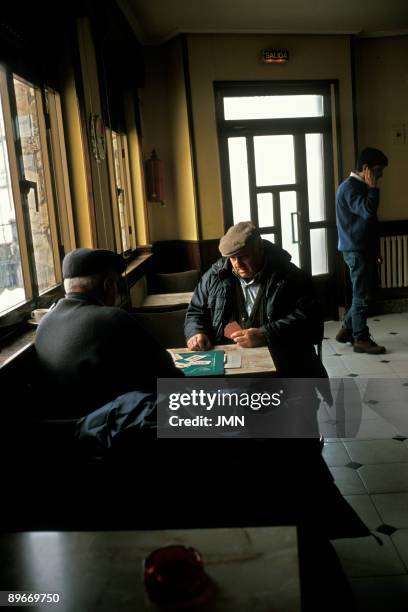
column 86, row 262
column 238, row 237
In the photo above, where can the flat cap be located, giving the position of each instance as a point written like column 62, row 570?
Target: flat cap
column 237, row 238
column 85, row 262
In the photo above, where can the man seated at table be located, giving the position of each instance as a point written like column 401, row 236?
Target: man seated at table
column 89, row 350
column 279, row 479
column 255, row 285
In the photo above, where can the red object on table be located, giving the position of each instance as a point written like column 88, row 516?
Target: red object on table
column 174, row 575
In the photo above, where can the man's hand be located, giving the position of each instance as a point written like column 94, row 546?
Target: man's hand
column 369, row 177
column 249, row 338
column 199, row 342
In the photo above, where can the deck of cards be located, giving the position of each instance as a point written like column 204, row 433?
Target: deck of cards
column 230, row 328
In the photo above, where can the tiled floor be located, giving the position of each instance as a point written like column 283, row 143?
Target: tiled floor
column 370, row 460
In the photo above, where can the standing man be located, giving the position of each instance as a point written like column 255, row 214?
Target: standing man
column 357, row 202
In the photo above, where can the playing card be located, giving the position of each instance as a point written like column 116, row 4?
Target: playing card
column 230, row 328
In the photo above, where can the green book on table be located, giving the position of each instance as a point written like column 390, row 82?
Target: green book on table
column 199, row 363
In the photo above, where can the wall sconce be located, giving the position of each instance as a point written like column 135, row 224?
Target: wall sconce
column 154, row 178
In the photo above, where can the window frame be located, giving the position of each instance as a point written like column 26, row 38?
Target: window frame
column 126, row 186
column 56, row 182
column 300, row 127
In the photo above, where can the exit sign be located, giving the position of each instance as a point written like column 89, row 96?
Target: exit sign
column 275, row 56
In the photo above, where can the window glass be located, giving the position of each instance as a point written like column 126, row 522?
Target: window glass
column 270, row 237
column 265, row 209
column 273, row 107
column 11, row 279
column 315, row 176
column 34, row 186
column 288, row 210
column 274, row 160
column 318, row 250
column 238, row 161
column 120, row 189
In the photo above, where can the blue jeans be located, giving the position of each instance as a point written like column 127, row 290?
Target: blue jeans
column 361, row 266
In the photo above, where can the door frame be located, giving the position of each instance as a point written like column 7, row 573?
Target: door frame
column 328, row 125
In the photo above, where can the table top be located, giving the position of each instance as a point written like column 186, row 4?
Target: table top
column 167, row 299
column 254, row 361
column 251, row 568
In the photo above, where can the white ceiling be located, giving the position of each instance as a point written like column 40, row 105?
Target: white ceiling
column 156, row 21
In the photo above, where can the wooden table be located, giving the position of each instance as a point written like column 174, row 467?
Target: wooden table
column 167, row 299
column 103, row 571
column 254, row 361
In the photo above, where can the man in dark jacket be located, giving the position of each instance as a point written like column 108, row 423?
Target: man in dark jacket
column 273, row 301
column 90, row 351
column 256, row 285
column 357, row 201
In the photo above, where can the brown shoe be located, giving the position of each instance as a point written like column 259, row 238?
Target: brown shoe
column 368, row 346
column 344, row 335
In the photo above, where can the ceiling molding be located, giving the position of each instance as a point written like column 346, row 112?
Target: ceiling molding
column 267, row 32
column 383, row 33
column 162, row 25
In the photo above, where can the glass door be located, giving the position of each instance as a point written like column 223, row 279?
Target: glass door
column 277, row 169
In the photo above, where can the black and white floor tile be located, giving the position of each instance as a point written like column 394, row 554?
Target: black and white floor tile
column 371, row 468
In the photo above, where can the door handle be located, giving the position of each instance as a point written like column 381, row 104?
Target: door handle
column 292, row 221
column 26, row 186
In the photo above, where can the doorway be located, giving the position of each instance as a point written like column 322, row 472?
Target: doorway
column 276, row 152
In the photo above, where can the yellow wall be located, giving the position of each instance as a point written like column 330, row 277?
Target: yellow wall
column 382, row 103
column 236, row 57
column 136, row 174
column 99, row 170
column 75, row 158
column 165, row 129
column 181, row 145
column 154, row 110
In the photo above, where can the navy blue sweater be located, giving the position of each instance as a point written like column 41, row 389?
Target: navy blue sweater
column 356, row 214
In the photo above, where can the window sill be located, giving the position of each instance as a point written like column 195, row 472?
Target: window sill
column 13, row 348
column 137, row 267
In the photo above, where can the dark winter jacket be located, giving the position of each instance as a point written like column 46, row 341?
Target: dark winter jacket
column 293, row 324
column 89, row 354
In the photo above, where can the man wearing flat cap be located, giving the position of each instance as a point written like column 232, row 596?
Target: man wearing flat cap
column 255, row 289
column 90, row 351
column 271, row 302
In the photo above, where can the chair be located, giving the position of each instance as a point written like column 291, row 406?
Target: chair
column 176, row 282
column 166, row 326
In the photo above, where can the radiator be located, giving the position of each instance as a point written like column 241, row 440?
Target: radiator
column 394, row 267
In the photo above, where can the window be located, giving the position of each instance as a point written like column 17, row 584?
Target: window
column 273, row 107
column 35, row 211
column 123, row 216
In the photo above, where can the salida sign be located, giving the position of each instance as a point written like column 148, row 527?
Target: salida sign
column 275, row 56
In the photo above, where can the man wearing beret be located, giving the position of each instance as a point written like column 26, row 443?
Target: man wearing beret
column 255, row 285
column 89, row 350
